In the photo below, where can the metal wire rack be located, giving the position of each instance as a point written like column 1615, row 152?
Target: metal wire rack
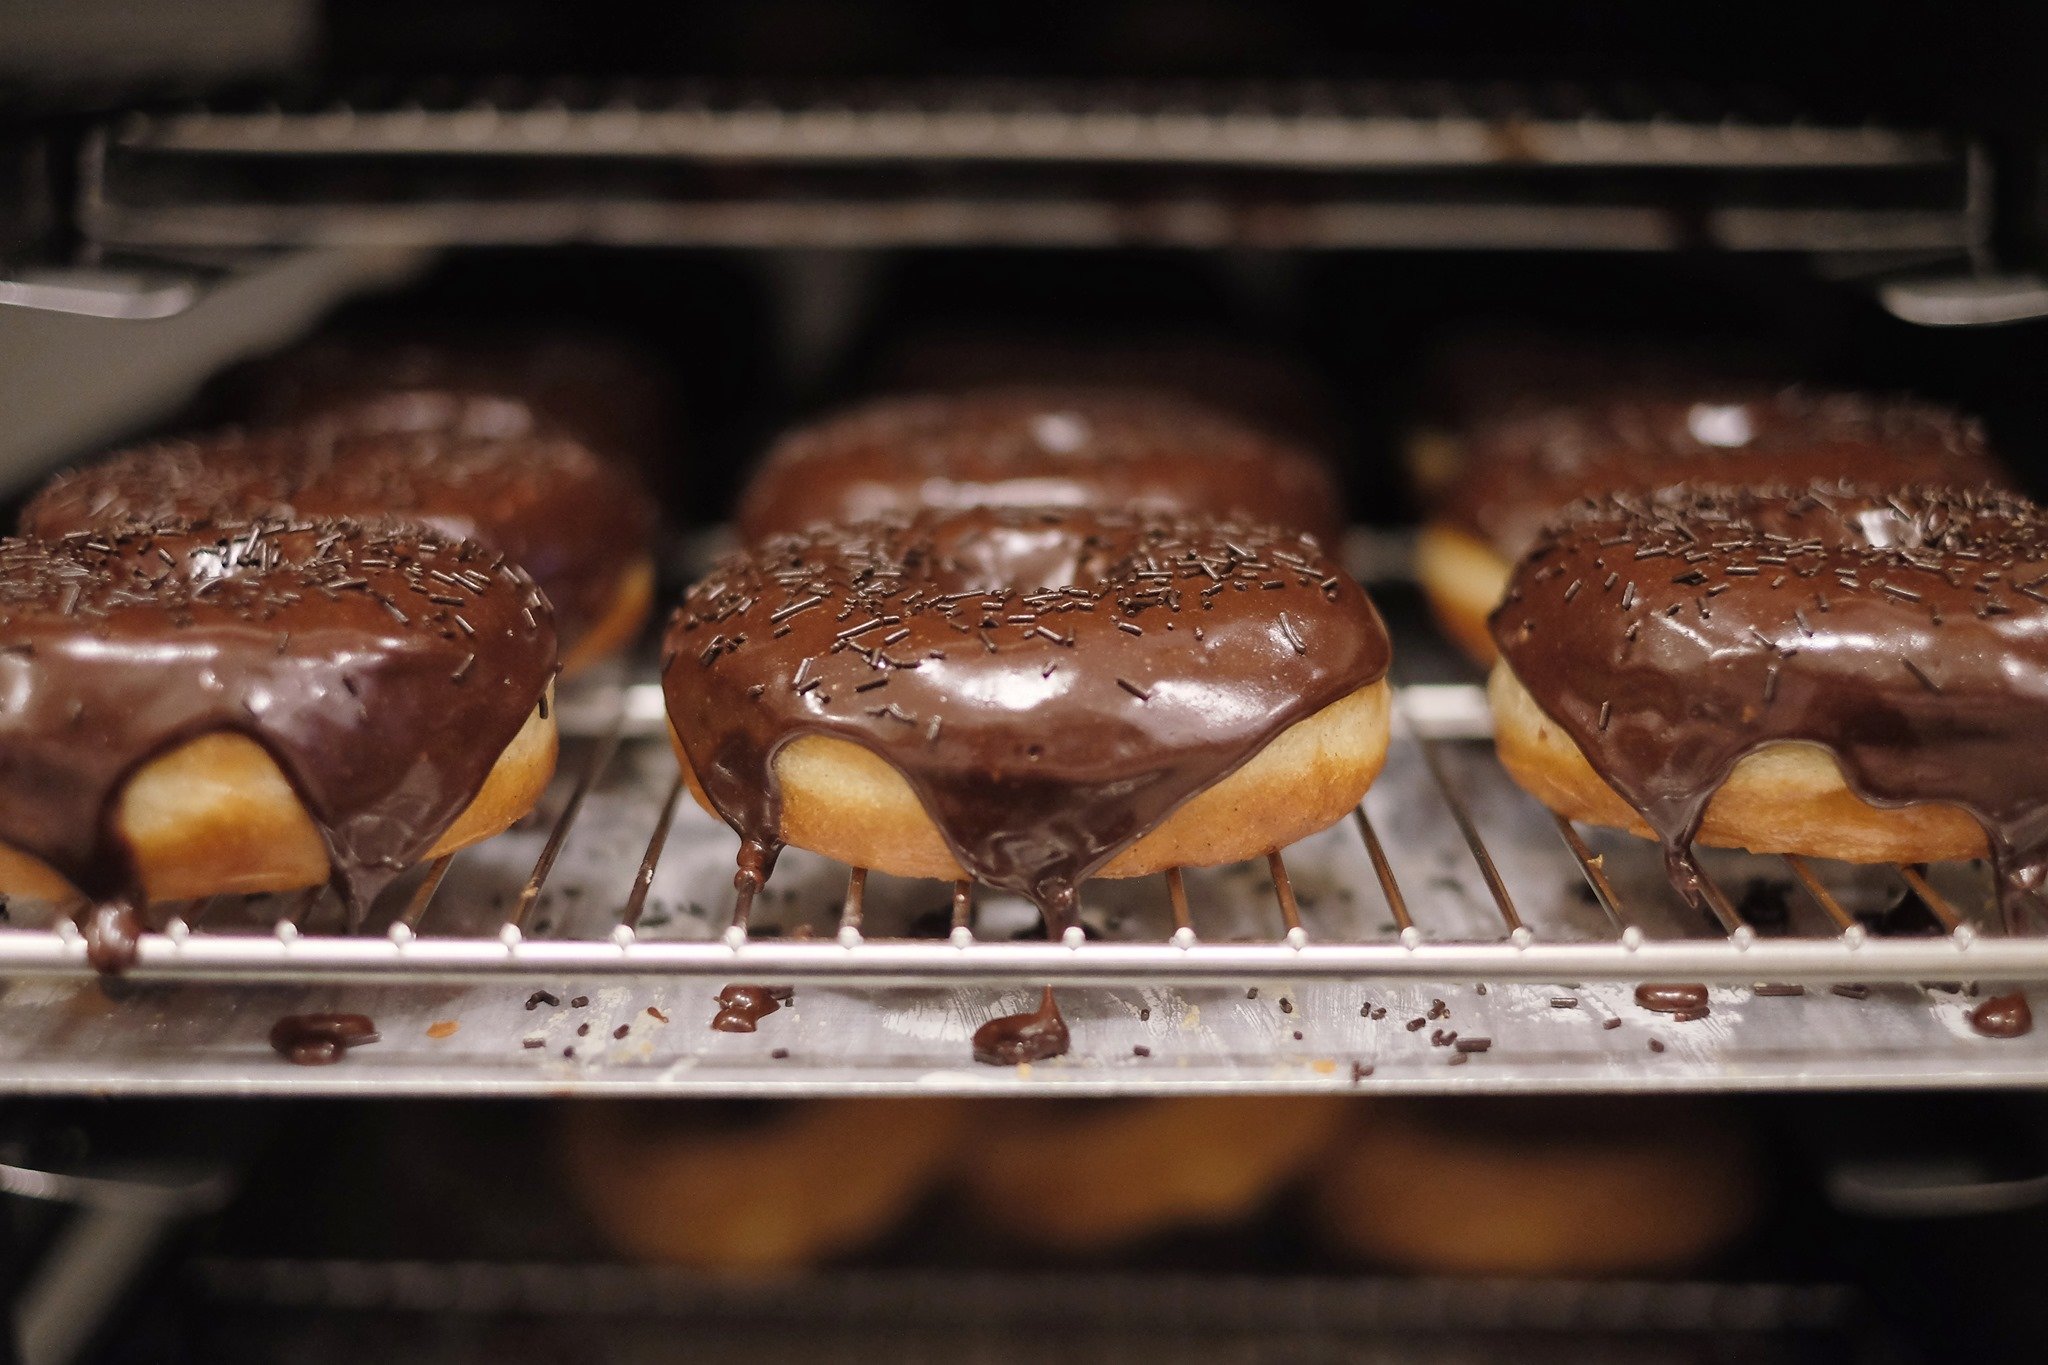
column 1308, row 124
column 1283, row 164
column 429, row 932
column 1095, row 1313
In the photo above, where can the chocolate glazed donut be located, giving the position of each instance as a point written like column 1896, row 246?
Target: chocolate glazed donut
column 468, row 466
column 1674, row 638
column 1524, row 468
column 1010, row 447
column 383, row 671
column 607, row 395
column 1052, row 685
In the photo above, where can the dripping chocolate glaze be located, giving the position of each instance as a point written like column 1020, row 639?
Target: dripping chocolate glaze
column 467, row 466
column 1524, row 468
column 1905, row 632
column 1068, row 447
column 1051, row 684
column 337, row 649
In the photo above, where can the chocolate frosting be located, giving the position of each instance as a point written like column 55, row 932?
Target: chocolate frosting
column 1052, row 684
column 468, row 466
column 1524, row 468
column 1905, row 632
column 604, row 394
column 1265, row 388
column 384, row 671
column 1014, row 447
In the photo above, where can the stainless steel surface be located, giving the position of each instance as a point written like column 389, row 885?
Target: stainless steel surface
column 1284, row 164
column 81, row 372
column 96, row 292
column 1966, row 301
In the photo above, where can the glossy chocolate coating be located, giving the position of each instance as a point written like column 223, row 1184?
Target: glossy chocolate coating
column 741, row 1008
column 1905, row 632
column 576, row 523
column 2003, row 1016
column 604, row 394
column 1101, row 449
column 1524, row 468
column 1673, row 997
column 1051, row 684
column 383, row 671
column 320, row 1039
column 1267, row 389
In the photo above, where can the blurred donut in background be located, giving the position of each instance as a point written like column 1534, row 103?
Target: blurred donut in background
column 753, row 1190
column 1081, row 1177
column 1538, row 1187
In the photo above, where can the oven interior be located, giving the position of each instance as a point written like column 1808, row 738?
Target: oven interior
column 1335, row 200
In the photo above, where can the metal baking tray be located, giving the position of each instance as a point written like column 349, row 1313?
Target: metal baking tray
column 581, row 954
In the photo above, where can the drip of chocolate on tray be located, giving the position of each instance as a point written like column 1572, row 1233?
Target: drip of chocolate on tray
column 320, row 1039
column 1037, row 446
column 1051, row 684
column 1012, row 1038
column 2003, row 1016
column 383, row 671
column 741, row 1008
column 1884, row 626
column 1683, row 1000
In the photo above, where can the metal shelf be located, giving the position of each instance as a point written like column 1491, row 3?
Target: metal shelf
column 328, row 1309
column 1304, row 125
column 1289, row 164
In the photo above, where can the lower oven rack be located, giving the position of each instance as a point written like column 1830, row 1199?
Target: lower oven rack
column 317, row 1310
